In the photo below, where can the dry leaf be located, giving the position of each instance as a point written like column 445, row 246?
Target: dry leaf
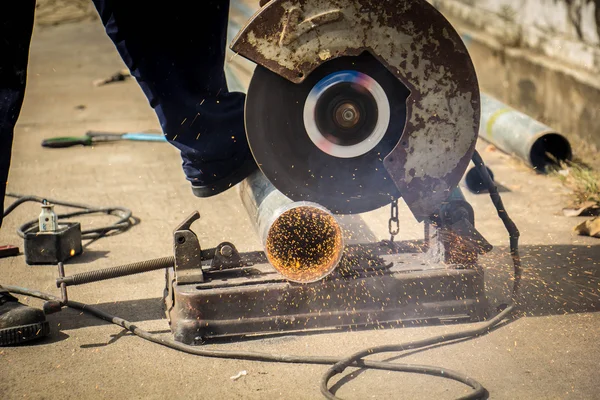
column 587, row 209
column 589, row 228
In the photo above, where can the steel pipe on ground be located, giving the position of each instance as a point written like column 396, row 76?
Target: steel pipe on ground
column 516, row 133
column 302, row 240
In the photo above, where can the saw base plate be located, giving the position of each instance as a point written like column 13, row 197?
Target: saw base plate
column 404, row 289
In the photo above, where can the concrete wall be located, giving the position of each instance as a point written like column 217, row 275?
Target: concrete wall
column 571, row 19
column 565, row 30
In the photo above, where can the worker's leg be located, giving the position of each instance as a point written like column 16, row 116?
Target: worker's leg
column 18, row 323
column 176, row 51
column 16, row 26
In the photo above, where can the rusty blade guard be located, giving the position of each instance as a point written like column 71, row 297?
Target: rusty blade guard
column 412, row 40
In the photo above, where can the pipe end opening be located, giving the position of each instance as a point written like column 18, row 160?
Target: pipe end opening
column 305, row 244
column 550, row 149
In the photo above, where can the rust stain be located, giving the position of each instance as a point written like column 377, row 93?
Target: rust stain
column 416, row 43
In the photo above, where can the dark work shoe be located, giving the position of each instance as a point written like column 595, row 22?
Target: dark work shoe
column 20, row 323
column 223, row 184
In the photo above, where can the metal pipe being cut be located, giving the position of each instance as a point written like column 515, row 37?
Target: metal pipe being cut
column 302, row 240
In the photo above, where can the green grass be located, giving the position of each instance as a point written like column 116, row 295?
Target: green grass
column 581, row 179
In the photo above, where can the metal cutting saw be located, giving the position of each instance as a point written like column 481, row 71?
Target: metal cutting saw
column 353, row 105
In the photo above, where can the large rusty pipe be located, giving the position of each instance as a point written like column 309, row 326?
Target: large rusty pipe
column 302, row 240
column 518, row 134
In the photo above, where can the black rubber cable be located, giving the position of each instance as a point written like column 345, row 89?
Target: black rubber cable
column 509, row 224
column 291, row 359
column 125, row 221
column 479, row 392
column 356, row 360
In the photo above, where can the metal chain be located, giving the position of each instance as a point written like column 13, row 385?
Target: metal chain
column 394, row 223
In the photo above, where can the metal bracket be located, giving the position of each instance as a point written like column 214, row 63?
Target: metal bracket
column 470, row 237
column 188, row 254
column 226, row 256
column 455, row 223
column 52, row 306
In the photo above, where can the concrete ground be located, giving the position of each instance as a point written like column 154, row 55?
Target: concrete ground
column 552, row 353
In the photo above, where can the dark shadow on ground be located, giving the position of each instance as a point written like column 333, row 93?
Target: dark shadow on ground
column 114, row 338
column 131, row 310
column 557, row 280
column 89, row 256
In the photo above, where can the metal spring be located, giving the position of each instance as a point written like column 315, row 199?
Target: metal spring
column 115, row 272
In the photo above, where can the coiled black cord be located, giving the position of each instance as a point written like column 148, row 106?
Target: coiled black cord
column 357, row 359
column 125, row 218
column 479, row 391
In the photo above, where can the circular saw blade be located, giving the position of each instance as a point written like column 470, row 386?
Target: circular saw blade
column 345, row 178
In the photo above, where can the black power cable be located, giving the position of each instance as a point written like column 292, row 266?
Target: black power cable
column 357, row 359
column 124, row 215
column 478, row 392
column 511, row 227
